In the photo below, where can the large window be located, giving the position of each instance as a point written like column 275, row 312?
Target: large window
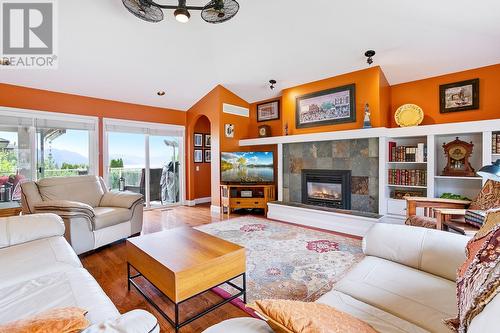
column 144, row 158
column 36, row 145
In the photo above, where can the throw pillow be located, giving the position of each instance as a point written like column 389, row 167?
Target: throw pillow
column 478, row 279
column 60, row 320
column 286, row 316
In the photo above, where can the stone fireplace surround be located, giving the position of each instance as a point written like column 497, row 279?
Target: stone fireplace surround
column 360, row 156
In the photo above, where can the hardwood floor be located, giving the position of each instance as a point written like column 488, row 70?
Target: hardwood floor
column 108, row 266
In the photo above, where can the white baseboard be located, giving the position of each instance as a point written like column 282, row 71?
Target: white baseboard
column 215, row 209
column 198, row 201
column 344, row 223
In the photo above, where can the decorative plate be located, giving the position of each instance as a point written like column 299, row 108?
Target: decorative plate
column 409, row 115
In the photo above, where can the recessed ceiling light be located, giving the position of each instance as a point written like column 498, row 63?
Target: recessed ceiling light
column 161, row 93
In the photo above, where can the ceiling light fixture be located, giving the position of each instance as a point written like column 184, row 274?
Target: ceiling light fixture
column 273, row 83
column 161, row 93
column 216, row 11
column 182, row 15
column 369, row 55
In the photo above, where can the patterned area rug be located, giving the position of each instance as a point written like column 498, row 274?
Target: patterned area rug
column 286, row 261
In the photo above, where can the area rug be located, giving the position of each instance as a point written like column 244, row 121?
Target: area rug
column 286, row 261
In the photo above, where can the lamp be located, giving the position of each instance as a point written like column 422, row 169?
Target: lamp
column 182, row 15
column 491, row 171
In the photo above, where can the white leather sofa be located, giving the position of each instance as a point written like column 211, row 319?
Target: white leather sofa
column 93, row 216
column 406, row 283
column 40, row 271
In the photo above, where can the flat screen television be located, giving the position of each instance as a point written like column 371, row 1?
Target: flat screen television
column 247, row 168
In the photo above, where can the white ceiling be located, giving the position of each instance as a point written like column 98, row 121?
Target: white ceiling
column 106, row 52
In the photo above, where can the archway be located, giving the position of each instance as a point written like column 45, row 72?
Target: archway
column 200, row 167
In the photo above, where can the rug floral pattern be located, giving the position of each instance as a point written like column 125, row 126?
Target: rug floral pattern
column 286, row 261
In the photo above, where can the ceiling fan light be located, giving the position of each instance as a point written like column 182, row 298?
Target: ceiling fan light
column 182, row 15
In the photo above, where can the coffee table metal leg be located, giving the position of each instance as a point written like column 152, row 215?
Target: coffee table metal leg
column 128, row 276
column 245, row 288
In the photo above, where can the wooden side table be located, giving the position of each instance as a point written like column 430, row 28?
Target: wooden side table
column 448, row 218
column 10, row 211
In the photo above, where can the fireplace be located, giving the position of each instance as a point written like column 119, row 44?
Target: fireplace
column 328, row 188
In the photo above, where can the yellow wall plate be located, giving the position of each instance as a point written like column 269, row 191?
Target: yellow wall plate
column 409, row 115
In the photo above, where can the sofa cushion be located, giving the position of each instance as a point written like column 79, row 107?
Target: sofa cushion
column 240, row 325
column 109, row 216
column 33, row 259
column 380, row 320
column 74, row 287
column 86, row 189
column 415, row 296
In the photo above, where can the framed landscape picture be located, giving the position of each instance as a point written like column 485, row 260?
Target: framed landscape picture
column 208, row 156
column 198, row 156
column 198, row 140
column 268, row 111
column 327, row 107
column 459, row 96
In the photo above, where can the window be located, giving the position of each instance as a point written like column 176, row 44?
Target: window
column 144, row 158
column 35, row 145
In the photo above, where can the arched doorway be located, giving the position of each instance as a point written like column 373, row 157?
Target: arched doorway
column 201, row 158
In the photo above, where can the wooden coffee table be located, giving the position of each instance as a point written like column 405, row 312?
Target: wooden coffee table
column 184, row 263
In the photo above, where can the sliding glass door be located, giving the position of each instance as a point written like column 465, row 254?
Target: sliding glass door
column 144, row 158
column 36, row 145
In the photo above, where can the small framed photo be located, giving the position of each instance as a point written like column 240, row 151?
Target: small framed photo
column 268, row 111
column 208, row 140
column 198, row 140
column 459, row 96
column 207, row 156
column 198, row 156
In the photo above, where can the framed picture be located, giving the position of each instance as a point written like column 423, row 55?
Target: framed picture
column 268, row 111
column 229, row 130
column 198, row 140
column 327, row 107
column 208, row 140
column 459, row 96
column 198, row 156
column 207, row 155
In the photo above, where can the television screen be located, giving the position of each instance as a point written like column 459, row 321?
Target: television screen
column 247, row 167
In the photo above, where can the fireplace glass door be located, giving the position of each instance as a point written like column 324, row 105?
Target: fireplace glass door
column 324, row 191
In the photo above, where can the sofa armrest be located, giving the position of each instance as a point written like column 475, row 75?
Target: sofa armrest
column 70, row 207
column 135, row 321
column 433, row 251
column 120, row 199
column 21, row 229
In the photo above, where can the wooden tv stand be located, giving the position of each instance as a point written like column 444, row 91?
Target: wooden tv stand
column 231, row 197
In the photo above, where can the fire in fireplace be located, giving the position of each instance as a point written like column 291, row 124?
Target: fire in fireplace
column 329, row 188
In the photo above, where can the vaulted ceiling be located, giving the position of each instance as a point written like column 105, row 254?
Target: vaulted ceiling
column 106, row 52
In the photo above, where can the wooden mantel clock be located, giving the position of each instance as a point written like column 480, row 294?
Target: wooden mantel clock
column 458, row 153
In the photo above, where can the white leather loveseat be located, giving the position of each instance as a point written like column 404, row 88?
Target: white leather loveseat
column 405, row 284
column 93, row 216
column 40, row 271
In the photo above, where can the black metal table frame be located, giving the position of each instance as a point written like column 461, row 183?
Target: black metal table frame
column 175, row 322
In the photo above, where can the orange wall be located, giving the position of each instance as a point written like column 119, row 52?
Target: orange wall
column 425, row 93
column 367, row 91
column 202, row 171
column 43, row 100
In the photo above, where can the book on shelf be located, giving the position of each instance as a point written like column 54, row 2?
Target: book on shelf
column 495, row 143
column 416, row 153
column 407, row 177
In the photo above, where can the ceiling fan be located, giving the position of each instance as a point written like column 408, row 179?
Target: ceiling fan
column 216, row 11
